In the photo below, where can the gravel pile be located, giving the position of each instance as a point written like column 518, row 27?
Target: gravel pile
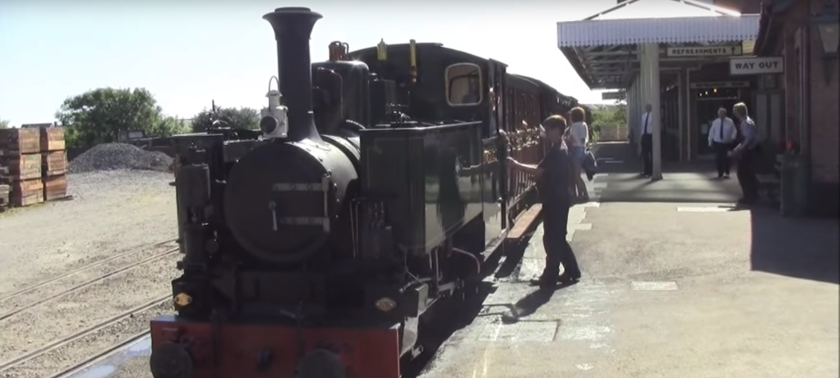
column 118, row 156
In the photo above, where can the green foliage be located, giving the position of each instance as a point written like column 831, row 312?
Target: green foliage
column 4, row 124
column 613, row 115
column 98, row 116
column 242, row 118
column 169, row 126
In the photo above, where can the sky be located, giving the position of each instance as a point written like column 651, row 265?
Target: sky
column 188, row 53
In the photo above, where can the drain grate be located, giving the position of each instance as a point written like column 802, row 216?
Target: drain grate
column 702, row 209
column 654, row 286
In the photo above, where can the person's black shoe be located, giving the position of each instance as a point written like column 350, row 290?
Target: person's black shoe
column 568, row 278
column 544, row 284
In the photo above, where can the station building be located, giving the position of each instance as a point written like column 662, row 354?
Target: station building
column 804, row 34
column 703, row 55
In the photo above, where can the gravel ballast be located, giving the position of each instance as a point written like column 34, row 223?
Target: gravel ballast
column 119, row 156
column 113, row 212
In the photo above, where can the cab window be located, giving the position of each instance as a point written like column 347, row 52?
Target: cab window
column 463, row 84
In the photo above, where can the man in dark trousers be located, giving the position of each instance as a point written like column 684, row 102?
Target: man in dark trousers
column 746, row 152
column 722, row 135
column 555, row 186
column 647, row 141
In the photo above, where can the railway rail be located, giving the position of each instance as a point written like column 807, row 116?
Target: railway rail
column 85, row 283
column 128, row 252
column 99, row 355
column 84, row 332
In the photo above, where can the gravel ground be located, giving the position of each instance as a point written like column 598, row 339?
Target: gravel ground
column 66, row 355
column 111, row 212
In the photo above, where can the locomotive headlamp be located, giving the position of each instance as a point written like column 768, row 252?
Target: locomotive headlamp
column 386, row 304
column 182, row 300
column 275, row 120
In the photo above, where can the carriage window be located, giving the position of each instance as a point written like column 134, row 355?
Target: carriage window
column 463, row 84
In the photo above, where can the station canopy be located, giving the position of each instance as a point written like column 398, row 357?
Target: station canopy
column 603, row 48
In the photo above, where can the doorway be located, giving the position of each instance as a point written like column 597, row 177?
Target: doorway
column 707, row 102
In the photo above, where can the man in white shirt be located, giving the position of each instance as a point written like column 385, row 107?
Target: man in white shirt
column 646, row 141
column 722, row 136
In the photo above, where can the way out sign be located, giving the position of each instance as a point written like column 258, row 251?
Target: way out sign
column 756, row 65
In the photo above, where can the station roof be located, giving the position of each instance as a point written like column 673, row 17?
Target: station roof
column 603, row 48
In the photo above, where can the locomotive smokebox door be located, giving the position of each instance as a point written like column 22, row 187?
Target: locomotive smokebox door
column 281, row 199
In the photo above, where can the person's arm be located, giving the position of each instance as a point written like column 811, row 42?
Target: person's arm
column 733, row 132
column 586, row 134
column 531, row 169
column 711, row 132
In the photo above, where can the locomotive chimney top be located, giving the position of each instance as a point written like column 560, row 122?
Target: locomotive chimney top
column 292, row 30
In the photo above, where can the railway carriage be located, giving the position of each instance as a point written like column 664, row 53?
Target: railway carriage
column 373, row 190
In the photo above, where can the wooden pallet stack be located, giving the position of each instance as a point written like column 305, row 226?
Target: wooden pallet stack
column 4, row 191
column 20, row 156
column 53, row 163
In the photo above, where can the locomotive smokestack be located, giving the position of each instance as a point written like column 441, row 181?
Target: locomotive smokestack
column 292, row 30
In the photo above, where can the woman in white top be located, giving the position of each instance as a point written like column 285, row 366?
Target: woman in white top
column 576, row 140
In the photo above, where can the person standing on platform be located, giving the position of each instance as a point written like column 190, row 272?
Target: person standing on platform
column 555, row 185
column 646, row 141
column 745, row 152
column 722, row 135
column 576, row 141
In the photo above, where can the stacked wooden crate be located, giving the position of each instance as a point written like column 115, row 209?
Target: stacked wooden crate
column 20, row 155
column 53, row 163
column 4, row 190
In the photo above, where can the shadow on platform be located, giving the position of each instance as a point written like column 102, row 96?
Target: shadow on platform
column 805, row 248
column 681, row 182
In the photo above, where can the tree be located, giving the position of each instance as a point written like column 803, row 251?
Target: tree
column 610, row 115
column 4, row 124
column 99, row 115
column 242, row 118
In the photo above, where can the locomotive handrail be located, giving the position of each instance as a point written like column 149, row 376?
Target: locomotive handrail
column 424, row 129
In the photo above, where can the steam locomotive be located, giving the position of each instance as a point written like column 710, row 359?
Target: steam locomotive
column 313, row 246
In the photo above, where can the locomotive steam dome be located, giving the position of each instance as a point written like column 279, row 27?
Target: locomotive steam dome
column 282, row 199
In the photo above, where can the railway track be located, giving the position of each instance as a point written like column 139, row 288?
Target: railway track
column 5, row 366
column 82, row 284
column 99, row 355
column 128, row 252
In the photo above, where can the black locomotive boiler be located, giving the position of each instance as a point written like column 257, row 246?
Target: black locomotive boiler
column 313, row 247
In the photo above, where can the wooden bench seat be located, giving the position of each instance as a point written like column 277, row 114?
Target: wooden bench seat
column 524, row 222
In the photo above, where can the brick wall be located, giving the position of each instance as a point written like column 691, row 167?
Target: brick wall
column 825, row 122
column 819, row 110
